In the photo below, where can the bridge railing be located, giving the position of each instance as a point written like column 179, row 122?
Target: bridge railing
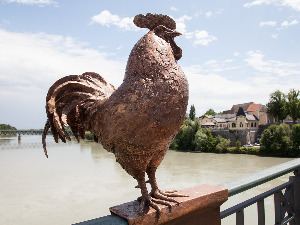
column 28, row 132
column 21, row 132
column 287, row 204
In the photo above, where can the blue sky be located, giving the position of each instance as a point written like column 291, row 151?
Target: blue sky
column 233, row 51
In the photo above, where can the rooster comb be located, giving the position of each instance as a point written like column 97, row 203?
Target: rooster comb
column 151, row 21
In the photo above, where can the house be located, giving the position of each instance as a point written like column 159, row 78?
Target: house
column 243, row 121
column 220, row 123
column 246, row 116
column 234, row 109
column 206, row 121
column 260, row 111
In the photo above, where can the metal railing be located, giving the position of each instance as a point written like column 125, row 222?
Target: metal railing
column 287, row 204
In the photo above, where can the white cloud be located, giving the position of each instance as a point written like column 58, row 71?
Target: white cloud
column 31, row 63
column 256, row 60
column 268, row 23
column 200, row 37
column 208, row 14
column 174, row 8
column 180, row 23
column 259, row 2
column 213, row 90
column 33, row 2
column 105, row 18
column 294, row 4
column 236, row 54
column 212, row 86
column 285, row 24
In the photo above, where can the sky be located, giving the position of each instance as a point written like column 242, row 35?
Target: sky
column 233, row 51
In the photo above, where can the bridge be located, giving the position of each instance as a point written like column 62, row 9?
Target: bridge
column 27, row 132
column 22, row 132
column 204, row 208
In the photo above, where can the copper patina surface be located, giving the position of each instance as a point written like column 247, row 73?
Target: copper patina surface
column 137, row 121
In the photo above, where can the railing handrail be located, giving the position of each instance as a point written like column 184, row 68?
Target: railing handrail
column 242, row 184
column 234, row 187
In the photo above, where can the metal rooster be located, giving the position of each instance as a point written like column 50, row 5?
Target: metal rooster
column 138, row 120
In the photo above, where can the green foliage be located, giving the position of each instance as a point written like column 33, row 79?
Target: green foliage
column 7, row 127
column 296, row 139
column 244, row 150
column 222, row 144
column 277, row 106
column 191, row 137
column 89, row 136
column 184, row 139
column 192, row 114
column 210, row 142
column 238, row 145
column 210, row 112
column 280, row 140
column 200, row 140
column 293, row 104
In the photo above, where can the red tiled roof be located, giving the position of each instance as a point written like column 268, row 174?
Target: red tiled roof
column 235, row 108
column 253, row 107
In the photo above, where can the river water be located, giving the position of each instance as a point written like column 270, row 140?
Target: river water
column 80, row 182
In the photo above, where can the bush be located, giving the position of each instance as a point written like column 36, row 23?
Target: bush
column 222, row 144
column 89, row 136
column 238, row 145
column 276, row 140
column 192, row 137
column 296, row 139
column 200, row 140
column 185, row 138
column 7, row 127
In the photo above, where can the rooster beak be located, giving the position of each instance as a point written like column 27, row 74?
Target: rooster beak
column 175, row 33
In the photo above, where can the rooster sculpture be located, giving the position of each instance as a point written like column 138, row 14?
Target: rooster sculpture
column 137, row 121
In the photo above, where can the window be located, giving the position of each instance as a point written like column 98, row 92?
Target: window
column 241, row 124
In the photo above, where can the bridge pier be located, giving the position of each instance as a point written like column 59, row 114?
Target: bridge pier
column 19, row 138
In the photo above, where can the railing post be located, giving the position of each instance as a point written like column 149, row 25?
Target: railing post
column 296, row 197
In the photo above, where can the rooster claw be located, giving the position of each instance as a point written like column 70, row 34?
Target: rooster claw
column 146, row 202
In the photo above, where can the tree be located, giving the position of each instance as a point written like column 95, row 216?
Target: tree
column 276, row 140
column 210, row 112
column 184, row 139
column 192, row 114
column 293, row 105
column 7, row 127
column 296, row 138
column 277, row 106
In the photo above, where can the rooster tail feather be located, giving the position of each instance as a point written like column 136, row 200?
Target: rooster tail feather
column 46, row 128
column 72, row 101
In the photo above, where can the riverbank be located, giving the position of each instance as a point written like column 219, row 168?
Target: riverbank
column 243, row 150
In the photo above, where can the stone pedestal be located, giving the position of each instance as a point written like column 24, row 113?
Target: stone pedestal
column 201, row 207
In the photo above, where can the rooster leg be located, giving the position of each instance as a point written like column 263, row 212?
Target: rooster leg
column 146, row 200
column 158, row 194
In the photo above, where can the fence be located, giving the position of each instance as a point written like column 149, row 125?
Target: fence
column 287, row 204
